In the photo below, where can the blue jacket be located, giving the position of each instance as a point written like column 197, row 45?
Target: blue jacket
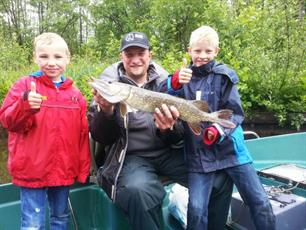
column 217, row 84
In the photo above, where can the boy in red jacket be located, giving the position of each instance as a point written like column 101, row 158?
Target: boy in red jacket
column 48, row 135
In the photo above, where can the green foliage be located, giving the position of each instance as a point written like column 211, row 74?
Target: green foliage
column 267, row 53
column 7, row 78
column 113, row 18
column 13, row 58
column 81, row 69
column 262, row 40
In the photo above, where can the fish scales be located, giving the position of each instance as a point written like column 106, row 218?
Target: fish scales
column 149, row 100
column 193, row 112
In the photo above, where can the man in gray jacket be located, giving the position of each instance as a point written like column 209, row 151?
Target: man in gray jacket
column 141, row 146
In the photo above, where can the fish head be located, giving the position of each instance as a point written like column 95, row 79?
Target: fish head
column 113, row 92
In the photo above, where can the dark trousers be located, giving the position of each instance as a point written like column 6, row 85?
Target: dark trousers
column 249, row 187
column 140, row 192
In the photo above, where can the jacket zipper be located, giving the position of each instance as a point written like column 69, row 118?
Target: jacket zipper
column 121, row 160
column 60, row 106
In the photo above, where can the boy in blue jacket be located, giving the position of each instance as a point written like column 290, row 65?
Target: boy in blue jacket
column 216, row 148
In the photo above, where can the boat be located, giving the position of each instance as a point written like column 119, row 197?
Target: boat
column 279, row 160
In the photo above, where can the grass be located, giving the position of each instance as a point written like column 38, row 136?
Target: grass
column 4, row 176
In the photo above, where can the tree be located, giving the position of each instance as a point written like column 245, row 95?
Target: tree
column 15, row 21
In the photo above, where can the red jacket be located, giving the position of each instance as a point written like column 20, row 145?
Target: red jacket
column 48, row 146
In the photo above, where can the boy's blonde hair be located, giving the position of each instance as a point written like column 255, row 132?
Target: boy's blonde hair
column 46, row 39
column 204, row 33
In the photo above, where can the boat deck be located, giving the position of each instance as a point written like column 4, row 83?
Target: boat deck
column 92, row 209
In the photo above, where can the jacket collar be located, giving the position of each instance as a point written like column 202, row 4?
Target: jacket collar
column 39, row 75
column 203, row 70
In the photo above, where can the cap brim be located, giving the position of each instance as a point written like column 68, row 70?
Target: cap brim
column 135, row 44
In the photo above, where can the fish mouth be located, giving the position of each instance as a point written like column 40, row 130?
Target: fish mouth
column 107, row 87
column 113, row 92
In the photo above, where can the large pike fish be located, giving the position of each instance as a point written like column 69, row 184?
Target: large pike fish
column 192, row 111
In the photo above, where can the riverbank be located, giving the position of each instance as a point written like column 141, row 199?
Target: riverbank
column 265, row 124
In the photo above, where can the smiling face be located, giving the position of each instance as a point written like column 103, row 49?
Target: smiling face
column 51, row 54
column 202, row 52
column 203, row 45
column 52, row 59
column 136, row 62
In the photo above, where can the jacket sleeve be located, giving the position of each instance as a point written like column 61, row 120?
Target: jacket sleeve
column 231, row 100
column 174, row 136
column 103, row 128
column 15, row 113
column 172, row 86
column 84, row 157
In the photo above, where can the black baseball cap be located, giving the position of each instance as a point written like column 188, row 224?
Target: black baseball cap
column 134, row 39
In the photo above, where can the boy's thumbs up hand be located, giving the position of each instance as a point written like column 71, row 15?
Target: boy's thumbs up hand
column 34, row 98
column 184, row 65
column 33, row 87
column 185, row 73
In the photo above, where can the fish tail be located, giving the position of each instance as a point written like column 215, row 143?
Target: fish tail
column 222, row 118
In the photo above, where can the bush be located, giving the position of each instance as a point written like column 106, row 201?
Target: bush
column 81, row 69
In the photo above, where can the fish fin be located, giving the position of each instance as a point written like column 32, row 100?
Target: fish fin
column 195, row 128
column 222, row 118
column 92, row 79
column 224, row 114
column 131, row 109
column 226, row 124
column 123, row 109
column 201, row 105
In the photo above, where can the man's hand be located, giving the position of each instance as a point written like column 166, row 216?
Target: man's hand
column 34, row 99
column 166, row 117
column 104, row 105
